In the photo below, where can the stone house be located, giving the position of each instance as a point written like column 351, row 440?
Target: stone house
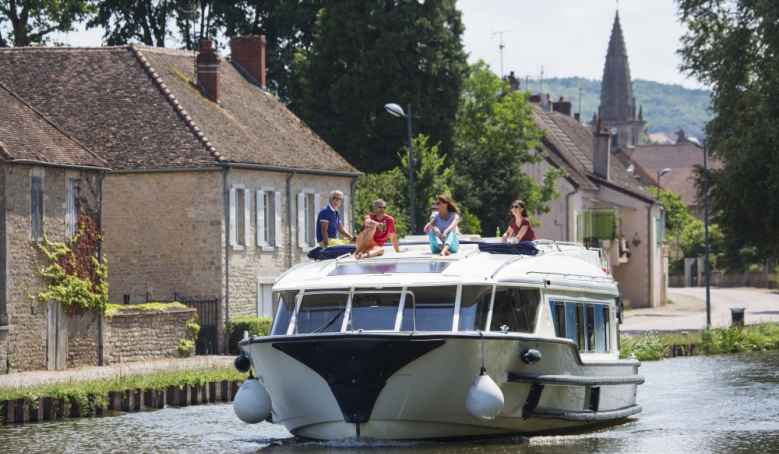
column 214, row 184
column 49, row 180
column 602, row 202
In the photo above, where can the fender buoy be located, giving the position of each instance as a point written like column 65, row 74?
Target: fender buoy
column 485, row 399
column 252, row 403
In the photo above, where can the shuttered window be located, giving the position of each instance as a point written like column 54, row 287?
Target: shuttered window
column 268, row 218
column 240, row 203
column 308, row 206
column 36, row 206
column 71, row 215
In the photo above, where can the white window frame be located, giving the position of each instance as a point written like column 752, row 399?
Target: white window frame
column 233, row 215
column 268, row 240
column 41, row 173
column 307, row 218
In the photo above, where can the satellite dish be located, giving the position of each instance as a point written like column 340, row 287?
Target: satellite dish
column 613, row 131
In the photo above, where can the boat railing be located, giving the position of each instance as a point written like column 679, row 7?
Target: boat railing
column 503, row 265
column 300, row 296
column 577, row 277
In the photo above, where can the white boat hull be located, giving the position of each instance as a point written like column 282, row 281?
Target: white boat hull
column 425, row 399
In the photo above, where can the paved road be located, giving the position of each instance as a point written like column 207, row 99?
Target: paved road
column 81, row 374
column 689, row 312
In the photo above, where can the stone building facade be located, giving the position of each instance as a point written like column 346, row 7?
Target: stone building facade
column 198, row 161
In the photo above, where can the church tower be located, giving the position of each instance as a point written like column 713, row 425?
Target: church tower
column 617, row 110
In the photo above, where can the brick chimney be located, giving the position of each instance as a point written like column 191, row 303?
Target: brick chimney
column 208, row 75
column 249, row 53
column 562, row 106
column 601, row 151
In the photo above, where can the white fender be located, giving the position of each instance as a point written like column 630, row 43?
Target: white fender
column 484, row 400
column 252, row 403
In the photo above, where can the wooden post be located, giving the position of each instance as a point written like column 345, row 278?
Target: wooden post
column 138, row 393
column 115, row 400
column 185, row 396
column 9, row 411
column 195, row 395
column 62, row 407
column 128, row 404
column 37, row 414
column 206, row 393
column 161, row 393
column 225, row 391
column 49, row 412
column 233, row 390
column 76, row 409
column 22, row 410
column 216, row 391
column 172, row 395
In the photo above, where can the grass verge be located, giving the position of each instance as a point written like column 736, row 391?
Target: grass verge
column 94, row 394
column 735, row 339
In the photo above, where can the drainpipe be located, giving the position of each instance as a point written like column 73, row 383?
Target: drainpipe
column 289, row 216
column 101, row 319
column 227, row 243
column 649, row 251
column 568, row 213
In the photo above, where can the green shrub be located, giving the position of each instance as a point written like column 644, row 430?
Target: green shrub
column 256, row 326
column 646, row 348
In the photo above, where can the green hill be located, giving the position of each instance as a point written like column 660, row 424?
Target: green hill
column 666, row 107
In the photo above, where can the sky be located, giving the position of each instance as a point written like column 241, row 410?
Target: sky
column 564, row 37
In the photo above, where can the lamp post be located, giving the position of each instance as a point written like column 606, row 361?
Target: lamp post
column 660, row 174
column 695, row 142
column 397, row 111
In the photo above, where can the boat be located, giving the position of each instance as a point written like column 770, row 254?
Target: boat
column 495, row 340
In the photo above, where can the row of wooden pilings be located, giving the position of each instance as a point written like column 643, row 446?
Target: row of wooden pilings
column 25, row 410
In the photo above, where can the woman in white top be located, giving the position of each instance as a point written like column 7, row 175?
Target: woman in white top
column 443, row 226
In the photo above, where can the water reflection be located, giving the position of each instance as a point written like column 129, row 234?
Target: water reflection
column 691, row 405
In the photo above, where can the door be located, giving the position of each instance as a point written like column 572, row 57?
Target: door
column 56, row 336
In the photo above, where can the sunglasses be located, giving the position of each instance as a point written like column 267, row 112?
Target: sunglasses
column 516, row 206
column 381, row 207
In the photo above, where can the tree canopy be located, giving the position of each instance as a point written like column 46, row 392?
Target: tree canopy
column 367, row 53
column 733, row 47
column 33, row 21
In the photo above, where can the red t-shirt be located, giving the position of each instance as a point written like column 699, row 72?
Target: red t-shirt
column 386, row 226
column 530, row 234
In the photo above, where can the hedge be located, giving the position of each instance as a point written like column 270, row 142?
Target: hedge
column 236, row 326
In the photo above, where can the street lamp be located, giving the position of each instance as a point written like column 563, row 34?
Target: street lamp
column 695, row 142
column 660, row 174
column 397, row 111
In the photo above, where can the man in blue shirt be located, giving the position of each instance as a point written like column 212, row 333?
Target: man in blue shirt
column 329, row 222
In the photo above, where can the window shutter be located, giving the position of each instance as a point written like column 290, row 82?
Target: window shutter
column 345, row 212
column 261, row 218
column 277, row 221
column 233, row 227
column 247, row 210
column 36, row 205
column 301, row 220
column 71, row 217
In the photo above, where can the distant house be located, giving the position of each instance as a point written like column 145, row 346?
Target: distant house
column 214, row 184
column 49, row 179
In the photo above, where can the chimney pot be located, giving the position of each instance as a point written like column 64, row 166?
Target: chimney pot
column 601, row 152
column 208, row 72
column 249, row 53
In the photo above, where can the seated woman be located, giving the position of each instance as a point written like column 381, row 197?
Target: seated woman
column 520, row 226
column 443, row 225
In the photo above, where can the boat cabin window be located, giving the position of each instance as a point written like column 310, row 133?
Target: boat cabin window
column 374, row 311
column 587, row 324
column 284, row 310
column 474, row 307
column 321, row 313
column 434, row 308
column 516, row 309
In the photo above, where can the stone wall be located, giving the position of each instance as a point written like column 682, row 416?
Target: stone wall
column 83, row 340
column 143, row 335
column 24, row 340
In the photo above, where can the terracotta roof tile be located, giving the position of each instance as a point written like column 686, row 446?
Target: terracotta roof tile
column 26, row 134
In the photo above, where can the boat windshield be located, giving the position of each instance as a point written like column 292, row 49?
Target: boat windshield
column 375, row 311
column 434, row 309
column 516, row 309
column 474, row 307
column 322, row 312
column 284, row 311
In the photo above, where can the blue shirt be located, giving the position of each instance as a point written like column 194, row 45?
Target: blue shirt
column 332, row 217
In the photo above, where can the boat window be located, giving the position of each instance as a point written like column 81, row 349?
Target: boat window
column 321, row 313
column 581, row 339
column 434, row 308
column 516, row 309
column 590, row 327
column 558, row 316
column 374, row 311
column 474, row 306
column 606, row 328
column 284, row 310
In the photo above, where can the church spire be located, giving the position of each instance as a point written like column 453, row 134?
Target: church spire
column 616, row 97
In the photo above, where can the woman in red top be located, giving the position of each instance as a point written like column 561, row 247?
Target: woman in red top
column 520, row 226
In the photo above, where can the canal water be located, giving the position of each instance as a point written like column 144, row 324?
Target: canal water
column 691, row 405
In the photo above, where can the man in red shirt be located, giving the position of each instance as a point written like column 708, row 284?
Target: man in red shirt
column 378, row 227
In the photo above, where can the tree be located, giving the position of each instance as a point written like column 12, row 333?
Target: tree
column 733, row 47
column 32, row 21
column 494, row 138
column 366, row 53
column 125, row 20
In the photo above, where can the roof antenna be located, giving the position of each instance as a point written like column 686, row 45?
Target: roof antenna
column 501, row 49
column 191, row 14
